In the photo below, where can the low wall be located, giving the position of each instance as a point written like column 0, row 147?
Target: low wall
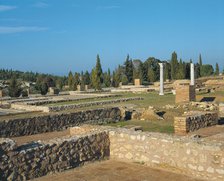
column 41, row 158
column 194, row 121
column 51, row 101
column 204, row 160
column 26, row 107
column 57, row 122
column 88, row 104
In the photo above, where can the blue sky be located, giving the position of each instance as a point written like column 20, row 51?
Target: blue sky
column 55, row 36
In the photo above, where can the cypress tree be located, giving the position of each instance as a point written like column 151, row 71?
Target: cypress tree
column 216, row 69
column 14, row 88
column 107, row 78
column 97, row 75
column 197, row 70
column 99, row 70
column 86, row 78
column 129, row 69
column 151, row 75
column 174, row 65
column 200, row 60
column 76, row 80
column 167, row 71
column 70, row 81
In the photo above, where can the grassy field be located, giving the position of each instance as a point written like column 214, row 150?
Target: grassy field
column 162, row 126
column 219, row 96
column 82, row 101
column 150, row 99
column 153, row 99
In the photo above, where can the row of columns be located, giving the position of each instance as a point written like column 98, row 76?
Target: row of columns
column 161, row 65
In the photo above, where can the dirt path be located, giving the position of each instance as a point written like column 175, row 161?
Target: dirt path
column 112, row 170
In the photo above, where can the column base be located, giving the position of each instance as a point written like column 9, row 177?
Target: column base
column 161, row 94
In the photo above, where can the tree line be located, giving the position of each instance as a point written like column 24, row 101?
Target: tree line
column 147, row 71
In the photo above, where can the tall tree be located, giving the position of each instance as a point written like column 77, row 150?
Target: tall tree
column 200, row 60
column 107, row 78
column 197, row 70
column 98, row 69
column 138, row 70
column 86, row 78
column 76, row 80
column 216, row 69
column 70, row 81
column 180, row 71
column 151, row 75
column 44, row 88
column 97, row 75
column 14, row 88
column 129, row 69
column 167, row 71
column 174, row 65
column 206, row 70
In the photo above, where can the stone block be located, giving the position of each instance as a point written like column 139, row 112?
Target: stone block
column 53, row 90
column 2, row 94
column 86, row 87
column 137, row 82
column 185, row 93
column 80, row 88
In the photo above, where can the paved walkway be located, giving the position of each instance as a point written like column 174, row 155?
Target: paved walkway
column 112, row 170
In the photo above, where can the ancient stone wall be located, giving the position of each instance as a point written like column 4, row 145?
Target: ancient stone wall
column 194, row 121
column 51, row 101
column 20, row 106
column 87, row 104
column 41, row 158
column 56, row 122
column 204, row 160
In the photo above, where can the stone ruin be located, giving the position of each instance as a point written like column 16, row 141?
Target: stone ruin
column 53, row 91
column 185, row 92
column 137, row 82
column 80, row 88
column 1, row 94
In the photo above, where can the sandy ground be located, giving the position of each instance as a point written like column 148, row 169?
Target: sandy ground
column 112, row 170
column 209, row 131
column 43, row 137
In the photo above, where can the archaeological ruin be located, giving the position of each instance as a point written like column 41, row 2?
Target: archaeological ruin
column 44, row 135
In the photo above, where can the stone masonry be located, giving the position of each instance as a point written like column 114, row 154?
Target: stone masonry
column 37, row 159
column 185, row 93
column 137, row 82
column 192, row 156
column 57, row 122
column 202, row 159
column 194, row 121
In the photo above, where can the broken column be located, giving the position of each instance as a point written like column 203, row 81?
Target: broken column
column 185, row 92
column 192, row 74
column 161, row 92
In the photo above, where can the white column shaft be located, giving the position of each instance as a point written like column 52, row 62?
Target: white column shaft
column 192, row 74
column 161, row 92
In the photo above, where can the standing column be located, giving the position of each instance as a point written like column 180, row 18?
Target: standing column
column 161, row 92
column 192, row 74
